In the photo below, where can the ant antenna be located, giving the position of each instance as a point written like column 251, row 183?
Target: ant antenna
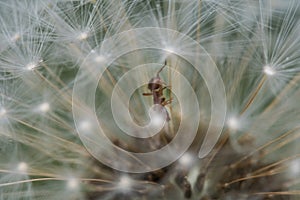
column 157, row 74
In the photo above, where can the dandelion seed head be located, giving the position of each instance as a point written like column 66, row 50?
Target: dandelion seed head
column 268, row 70
column 63, row 28
column 22, row 167
column 44, row 107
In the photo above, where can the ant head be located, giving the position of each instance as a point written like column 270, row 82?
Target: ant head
column 154, row 83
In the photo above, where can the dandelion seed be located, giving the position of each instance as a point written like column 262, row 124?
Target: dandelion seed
column 269, row 70
column 73, row 184
column 233, row 123
column 44, row 107
column 295, row 167
column 186, row 159
column 125, row 183
column 2, row 112
column 169, row 50
column 15, row 37
column 22, row 167
column 31, row 66
column 84, row 126
column 83, row 36
column 99, row 58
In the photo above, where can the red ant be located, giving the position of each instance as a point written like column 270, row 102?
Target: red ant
column 156, row 86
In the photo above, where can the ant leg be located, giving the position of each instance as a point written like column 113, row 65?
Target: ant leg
column 165, row 87
column 147, row 94
column 162, row 100
column 167, row 102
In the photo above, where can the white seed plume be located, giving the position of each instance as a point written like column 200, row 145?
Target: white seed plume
column 125, row 183
column 186, row 159
column 2, row 112
column 15, row 37
column 22, row 167
column 31, row 66
column 170, row 50
column 85, row 126
column 233, row 123
column 44, row 107
column 73, row 184
column 295, row 167
column 99, row 58
column 83, row 36
column 269, row 70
